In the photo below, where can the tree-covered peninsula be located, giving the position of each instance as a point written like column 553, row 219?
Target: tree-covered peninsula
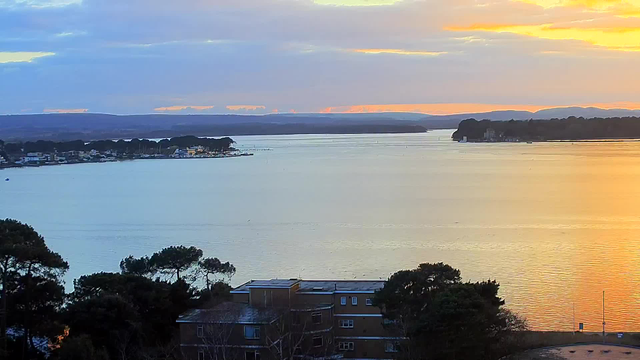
column 54, row 153
column 571, row 128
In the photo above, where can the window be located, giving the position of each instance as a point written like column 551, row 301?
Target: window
column 296, row 318
column 317, row 341
column 391, row 346
column 316, row 318
column 252, row 332
column 200, row 331
column 347, row 324
column 354, row 300
column 343, row 301
column 369, row 302
column 386, row 321
column 251, row 355
column 201, row 355
column 346, row 346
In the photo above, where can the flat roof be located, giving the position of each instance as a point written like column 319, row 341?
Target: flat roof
column 340, row 285
column 231, row 313
column 314, row 286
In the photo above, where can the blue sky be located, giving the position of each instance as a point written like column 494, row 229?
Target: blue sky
column 262, row 56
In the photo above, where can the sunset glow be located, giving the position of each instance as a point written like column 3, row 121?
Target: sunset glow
column 309, row 55
column 623, row 39
column 618, row 7
column 451, row 109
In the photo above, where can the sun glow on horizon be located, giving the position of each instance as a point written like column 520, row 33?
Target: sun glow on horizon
column 465, row 108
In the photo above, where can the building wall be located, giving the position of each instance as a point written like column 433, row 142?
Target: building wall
column 362, row 326
column 366, row 349
column 361, row 308
column 368, row 333
column 308, row 299
column 270, row 297
column 240, row 298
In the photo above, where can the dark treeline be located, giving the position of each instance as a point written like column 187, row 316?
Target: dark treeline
column 131, row 146
column 571, row 128
column 130, row 314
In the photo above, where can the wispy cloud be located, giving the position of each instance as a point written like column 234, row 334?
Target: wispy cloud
column 400, row 52
column 70, row 34
column 245, row 107
column 66, row 111
column 22, row 56
column 357, row 2
column 184, row 107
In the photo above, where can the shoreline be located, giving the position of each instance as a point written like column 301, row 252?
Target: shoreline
column 221, row 156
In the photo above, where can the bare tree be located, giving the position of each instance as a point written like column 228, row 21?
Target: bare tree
column 218, row 331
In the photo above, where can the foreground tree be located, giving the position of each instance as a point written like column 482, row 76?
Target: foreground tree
column 176, row 260
column 211, row 267
column 28, row 270
column 443, row 318
column 129, row 315
column 136, row 266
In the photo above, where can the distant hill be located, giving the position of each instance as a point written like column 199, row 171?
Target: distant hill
column 547, row 114
column 62, row 127
column 65, row 127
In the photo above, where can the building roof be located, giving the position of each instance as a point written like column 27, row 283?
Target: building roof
column 314, row 286
column 266, row 284
column 231, row 313
column 339, row 286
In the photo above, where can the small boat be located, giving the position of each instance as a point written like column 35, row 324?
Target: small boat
column 529, row 142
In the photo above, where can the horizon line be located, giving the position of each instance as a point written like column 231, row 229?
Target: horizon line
column 467, row 108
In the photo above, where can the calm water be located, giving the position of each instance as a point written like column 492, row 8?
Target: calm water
column 554, row 223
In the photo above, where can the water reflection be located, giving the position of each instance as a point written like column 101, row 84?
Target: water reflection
column 554, row 223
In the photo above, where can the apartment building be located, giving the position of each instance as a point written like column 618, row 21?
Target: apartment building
column 278, row 319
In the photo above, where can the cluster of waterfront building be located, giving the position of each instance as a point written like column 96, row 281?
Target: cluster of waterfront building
column 93, row 156
column 267, row 319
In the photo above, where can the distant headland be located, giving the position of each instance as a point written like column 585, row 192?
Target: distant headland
column 41, row 152
column 571, row 128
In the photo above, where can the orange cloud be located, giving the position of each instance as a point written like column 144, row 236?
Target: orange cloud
column 245, row 107
column 618, row 38
column 453, row 109
column 66, row 111
column 623, row 8
column 184, row 107
column 399, row 52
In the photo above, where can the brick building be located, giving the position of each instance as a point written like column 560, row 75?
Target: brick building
column 283, row 319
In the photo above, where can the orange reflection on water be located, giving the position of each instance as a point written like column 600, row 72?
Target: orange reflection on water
column 599, row 197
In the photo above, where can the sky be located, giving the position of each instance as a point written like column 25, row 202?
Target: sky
column 267, row 56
